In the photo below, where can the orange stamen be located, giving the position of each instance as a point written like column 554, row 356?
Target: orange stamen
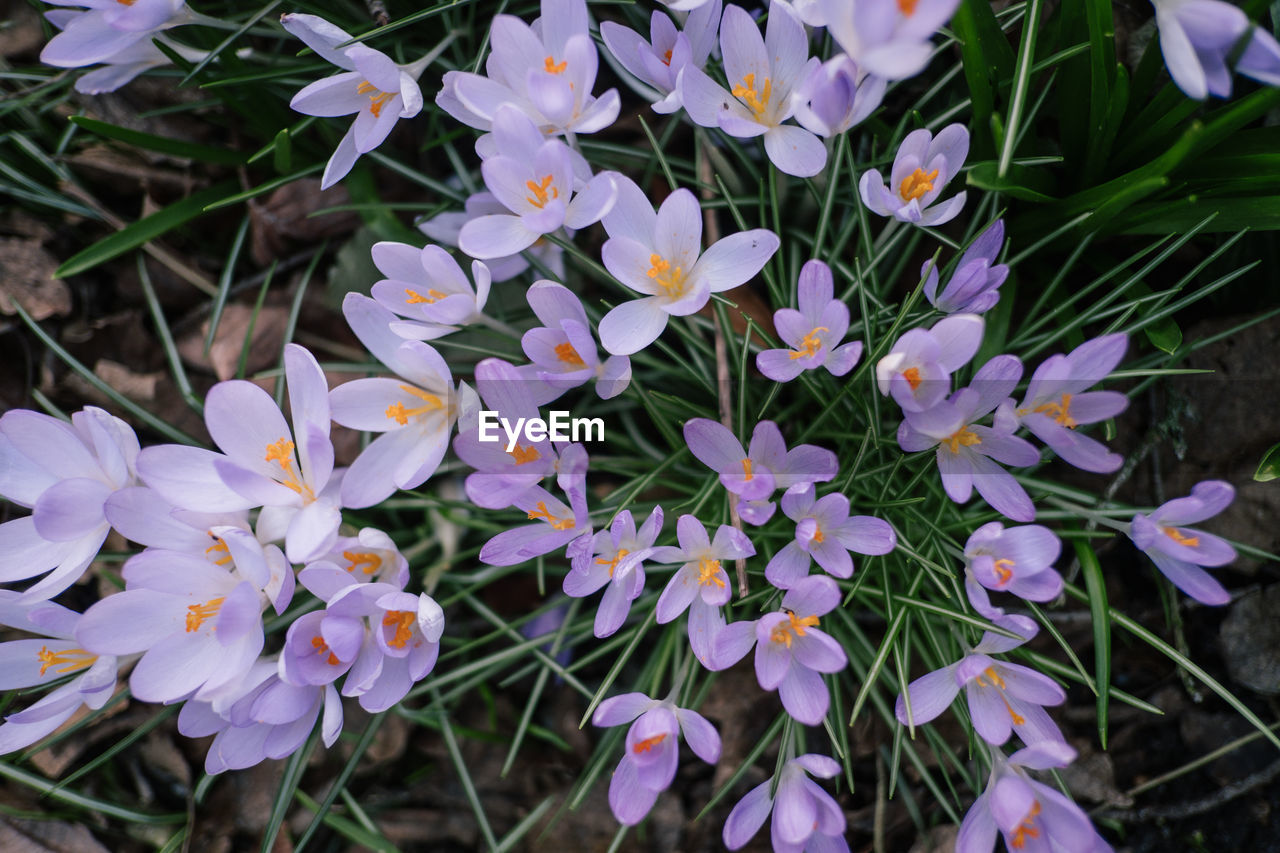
column 198, row 613
column 545, row 514
column 810, row 344
column 416, row 298
column 784, row 633
column 709, row 572
column 648, row 743
column 1027, row 828
column 525, row 455
column 322, row 647
column 367, row 561
column 566, row 353
column 961, row 437
column 917, row 184
column 1003, row 570
column 553, row 67
column 403, row 621
column 1181, row 538
column 376, row 101
column 397, row 412
column 70, row 660
column 671, row 279
column 612, row 564
column 540, row 195
column 758, row 101
column 281, row 452
column 1060, row 411
column 912, row 375
column 907, row 7
column 218, row 547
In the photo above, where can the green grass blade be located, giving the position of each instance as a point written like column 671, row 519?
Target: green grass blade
column 1097, row 588
column 149, row 141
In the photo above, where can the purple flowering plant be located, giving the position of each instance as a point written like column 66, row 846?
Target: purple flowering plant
column 504, row 320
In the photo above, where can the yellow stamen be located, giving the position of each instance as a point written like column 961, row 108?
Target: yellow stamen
column 912, row 375
column 416, row 298
column 991, row 678
column 917, row 184
column 401, row 415
column 525, row 455
column 817, row 534
column 964, row 436
column 810, row 344
column 545, row 514
column 198, row 613
column 540, row 195
column 322, row 647
column 648, row 743
column 281, row 452
column 553, row 67
column 376, row 101
column 366, row 561
column 70, row 660
column 1060, row 411
column 672, row 280
column 566, row 353
column 218, row 547
column 1003, row 570
column 403, row 621
column 709, row 573
column 758, row 101
column 613, row 563
column 785, row 632
column 1027, row 828
column 1181, row 538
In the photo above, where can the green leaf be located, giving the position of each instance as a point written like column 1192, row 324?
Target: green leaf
column 282, row 152
column 1097, row 588
column 143, row 231
column 1269, row 467
column 163, row 144
column 1020, row 182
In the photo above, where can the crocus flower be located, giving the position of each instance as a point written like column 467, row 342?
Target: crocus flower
column 921, row 171
column 555, row 524
column 1030, row 815
column 656, row 63
column 826, row 533
column 974, row 286
column 753, row 475
column 563, row 349
column 805, row 817
column 889, row 38
column 546, row 71
column 368, row 556
column 791, row 651
column 539, row 193
column 1179, row 551
column 1056, row 402
column 1197, row 36
column 917, row 370
column 813, row 332
column 64, row 473
column 968, row 452
column 444, row 228
column 429, row 288
column 50, row 657
column 1015, row 559
column 763, row 72
column 1003, row 697
column 836, row 96
column 617, row 562
column 108, row 29
column 126, row 63
column 701, row 584
column 371, row 85
column 652, row 748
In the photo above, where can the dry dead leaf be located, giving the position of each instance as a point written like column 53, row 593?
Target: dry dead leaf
column 286, row 215
column 26, row 277
column 135, row 386
column 46, row 836
column 224, row 354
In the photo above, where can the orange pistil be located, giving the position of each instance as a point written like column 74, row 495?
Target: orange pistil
column 810, row 344
column 785, row 632
column 907, row 7
column 961, row 437
column 321, row 648
column 1181, row 538
column 218, row 547
column 366, row 561
column 540, row 195
column 757, row 100
column 553, row 67
column 671, row 279
column 817, row 534
column 1060, row 411
column 666, row 59
column 416, row 298
column 917, row 184
column 1003, row 570
column 545, row 514
column 524, row 455
column 912, row 375
column 566, row 353
column 709, row 572
column 70, row 660
column 747, row 475
column 198, row 613
column 1027, row 828
column 377, row 97
column 613, row 563
column 403, row 621
column 281, row 452
column 648, row 743
column 397, row 412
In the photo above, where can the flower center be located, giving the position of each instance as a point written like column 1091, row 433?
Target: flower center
column 1059, row 411
column 1181, row 538
column 524, row 455
column 281, row 452
column 817, row 534
column 810, row 344
column 198, row 613
column 709, row 572
column 666, row 59
column 648, row 743
column 69, row 660
column 961, row 437
column 912, row 375
column 416, row 298
column 671, row 280
column 907, row 7
column 785, row 632
column 747, row 474
column 917, row 184
column 991, row 678
column 218, row 547
column 377, row 97
column 321, row 647
column 553, row 67
column 545, row 514
column 757, row 100
column 397, row 412
column 402, row 621
column 1003, row 570
column 539, row 189
column 613, row 563
column 1027, row 828
column 367, row 561
column 566, row 353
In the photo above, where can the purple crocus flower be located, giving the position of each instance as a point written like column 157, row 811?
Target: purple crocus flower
column 889, row 38
column 762, row 74
column 812, row 332
column 791, row 651
column 968, row 453
column 1179, row 551
column 1197, row 36
column 546, row 71
column 51, row 656
column 917, row 370
column 1003, row 697
column 701, row 584
column 1056, row 402
column 1031, row 816
column 922, row 169
column 805, row 817
column 368, row 556
column 617, row 561
column 1018, row 560
column 974, row 286
column 659, row 256
column 64, row 473
column 126, row 63
column 370, row 85
column 656, row 63
column 444, row 228
column 826, row 533
column 428, row 288
column 652, row 749
column 836, row 96
column 109, row 29
column 540, row 192
column 554, row 523
column 563, row 349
